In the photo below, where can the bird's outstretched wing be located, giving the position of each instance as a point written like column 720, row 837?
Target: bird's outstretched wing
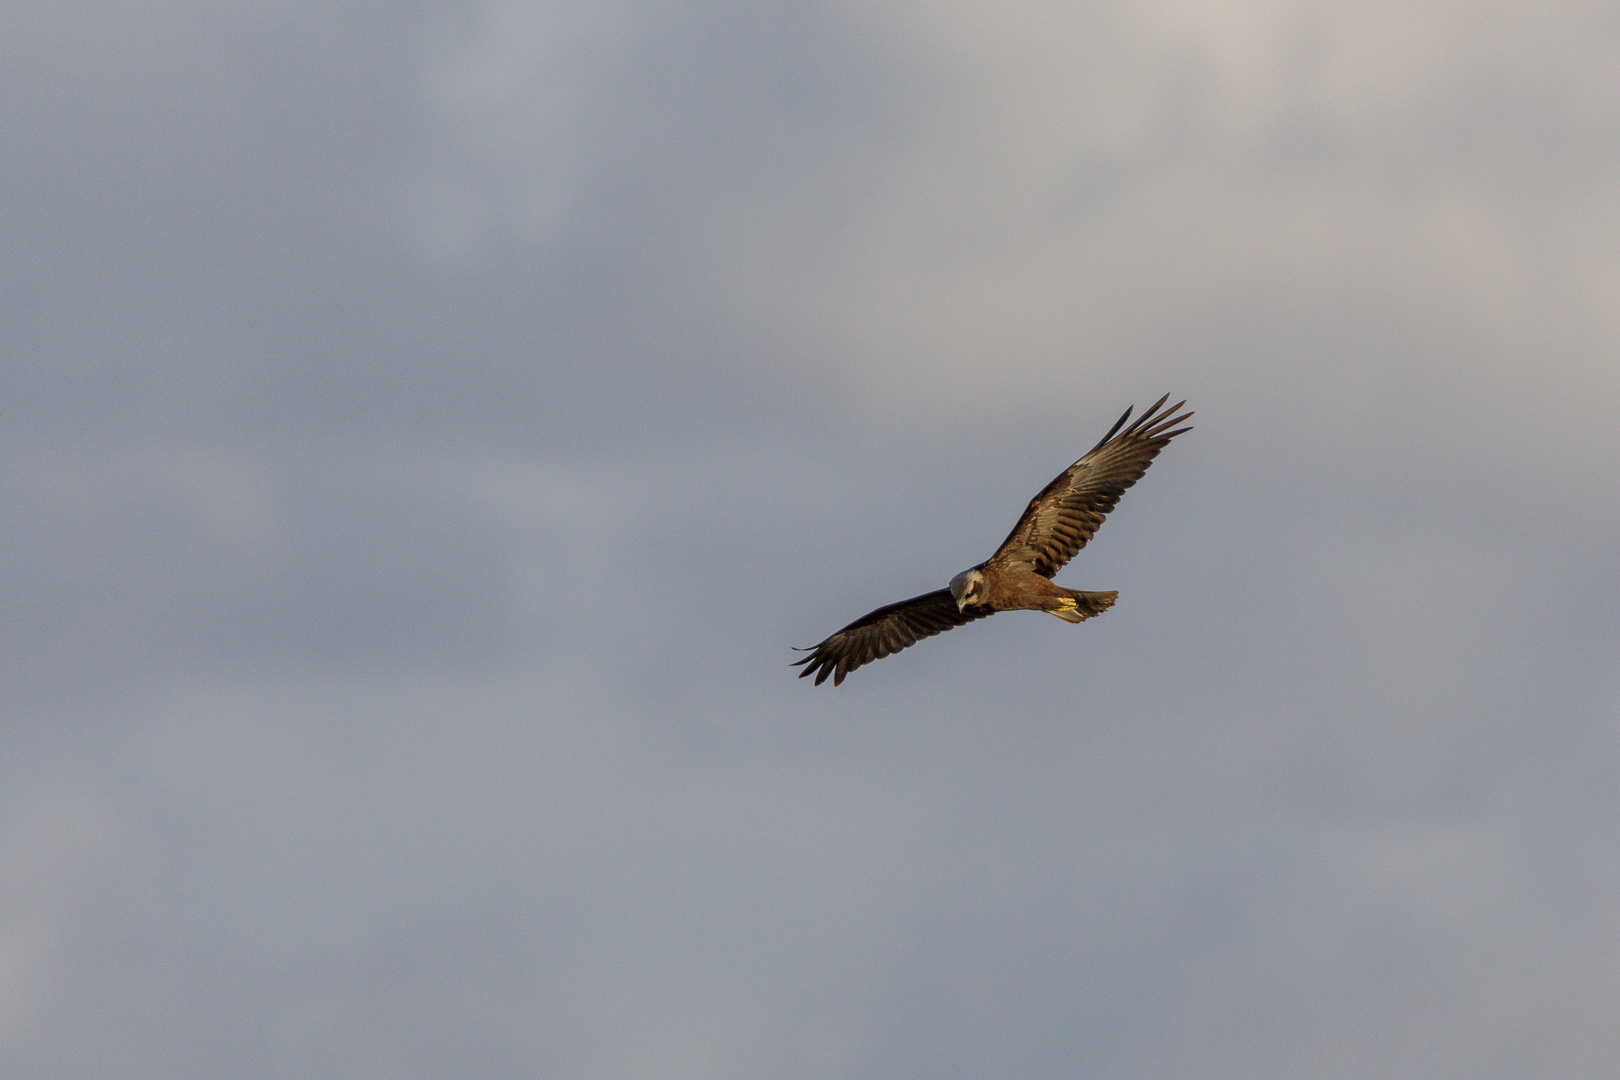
column 1069, row 511
column 884, row 631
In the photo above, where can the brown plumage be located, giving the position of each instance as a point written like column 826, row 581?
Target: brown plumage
column 1056, row 525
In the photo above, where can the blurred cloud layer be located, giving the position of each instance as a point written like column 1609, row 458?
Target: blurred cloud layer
column 426, row 426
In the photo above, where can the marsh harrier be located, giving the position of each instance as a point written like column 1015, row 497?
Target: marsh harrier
column 1018, row 577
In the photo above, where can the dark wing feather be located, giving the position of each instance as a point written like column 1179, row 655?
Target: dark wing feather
column 886, row 630
column 1069, row 511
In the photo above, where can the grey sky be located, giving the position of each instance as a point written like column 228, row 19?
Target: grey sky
column 427, row 426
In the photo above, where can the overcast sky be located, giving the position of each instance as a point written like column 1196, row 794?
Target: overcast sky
column 427, row 426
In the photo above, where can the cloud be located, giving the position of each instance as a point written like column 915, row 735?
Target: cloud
column 1082, row 199
column 54, row 837
column 165, row 554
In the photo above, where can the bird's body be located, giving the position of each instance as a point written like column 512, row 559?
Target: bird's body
column 1018, row 577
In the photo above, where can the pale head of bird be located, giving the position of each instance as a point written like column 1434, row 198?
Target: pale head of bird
column 968, row 588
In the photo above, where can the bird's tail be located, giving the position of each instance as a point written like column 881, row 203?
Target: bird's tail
column 1076, row 606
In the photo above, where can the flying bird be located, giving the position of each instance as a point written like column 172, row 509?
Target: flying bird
column 1018, row 577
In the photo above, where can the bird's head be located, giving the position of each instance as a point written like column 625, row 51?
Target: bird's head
column 967, row 588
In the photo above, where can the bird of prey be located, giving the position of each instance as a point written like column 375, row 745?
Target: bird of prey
column 1018, row 577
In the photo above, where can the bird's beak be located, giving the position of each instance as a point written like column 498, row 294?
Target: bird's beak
column 959, row 604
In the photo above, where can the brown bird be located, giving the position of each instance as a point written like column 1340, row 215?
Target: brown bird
column 1018, row 577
